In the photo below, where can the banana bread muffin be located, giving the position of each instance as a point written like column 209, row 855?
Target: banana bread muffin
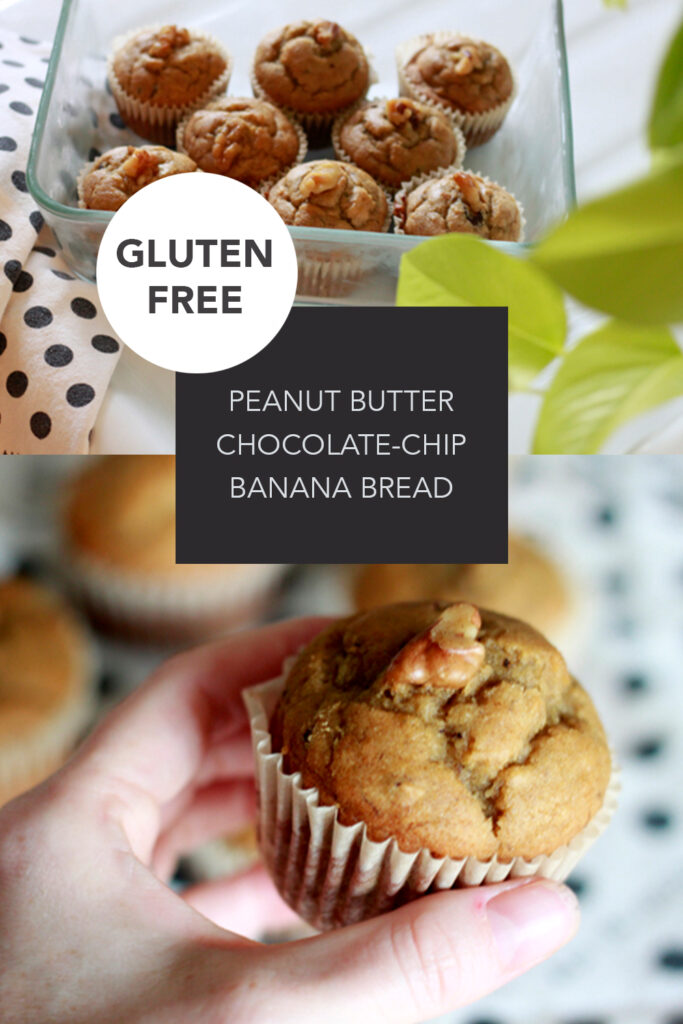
column 458, row 201
column 46, row 684
column 119, row 534
column 158, row 74
column 395, row 139
column 121, row 172
column 448, row 728
column 530, row 587
column 330, row 194
column 247, row 139
column 314, row 68
column 467, row 76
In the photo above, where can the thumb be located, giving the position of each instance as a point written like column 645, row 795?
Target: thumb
column 431, row 956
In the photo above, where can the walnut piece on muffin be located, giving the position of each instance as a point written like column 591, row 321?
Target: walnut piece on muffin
column 395, row 139
column 167, row 66
column 446, row 727
column 467, row 74
column 313, row 67
column 460, row 202
column 330, row 194
column 121, row 172
column 243, row 138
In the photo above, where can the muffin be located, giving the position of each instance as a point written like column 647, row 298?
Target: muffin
column 395, row 139
column 313, row 68
column 529, row 587
column 428, row 745
column 468, row 77
column 458, row 201
column 121, row 172
column 119, row 538
column 330, row 194
column 247, row 139
column 158, row 74
column 46, row 684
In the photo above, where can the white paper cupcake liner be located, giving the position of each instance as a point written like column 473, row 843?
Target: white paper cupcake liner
column 477, row 128
column 35, row 754
column 213, row 104
column 333, row 874
column 158, row 123
column 139, row 604
column 441, row 172
column 331, row 274
column 342, row 154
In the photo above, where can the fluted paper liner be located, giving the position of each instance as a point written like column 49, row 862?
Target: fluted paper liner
column 461, row 145
column 333, row 874
column 327, row 274
column 477, row 128
column 215, row 103
column 154, row 122
column 442, row 172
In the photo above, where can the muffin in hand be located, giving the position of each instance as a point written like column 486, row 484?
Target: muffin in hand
column 450, row 745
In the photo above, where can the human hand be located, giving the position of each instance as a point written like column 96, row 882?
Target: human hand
column 89, row 930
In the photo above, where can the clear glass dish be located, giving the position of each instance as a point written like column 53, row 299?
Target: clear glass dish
column 532, row 155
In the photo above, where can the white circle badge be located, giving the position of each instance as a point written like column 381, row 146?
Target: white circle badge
column 196, row 272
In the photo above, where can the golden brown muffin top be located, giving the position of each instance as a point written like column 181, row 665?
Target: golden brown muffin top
column 168, row 66
column 121, row 172
column 530, row 587
column 394, row 139
column 448, row 728
column 312, row 66
column 247, row 139
column 467, row 74
column 44, row 655
column 120, row 513
column 330, row 194
column 460, row 202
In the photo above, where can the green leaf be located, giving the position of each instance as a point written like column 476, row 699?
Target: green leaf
column 623, row 253
column 666, row 119
column 461, row 270
column 616, row 3
column 612, row 375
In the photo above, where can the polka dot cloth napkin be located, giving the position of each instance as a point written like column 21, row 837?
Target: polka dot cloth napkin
column 57, row 350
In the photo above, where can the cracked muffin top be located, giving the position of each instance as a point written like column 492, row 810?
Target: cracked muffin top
column 167, row 66
column 460, row 202
column 330, row 194
column 529, row 587
column 446, row 727
column 121, row 172
column 466, row 74
column 394, row 139
column 314, row 67
column 244, row 138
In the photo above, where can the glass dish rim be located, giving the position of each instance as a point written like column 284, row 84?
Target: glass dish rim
column 102, row 217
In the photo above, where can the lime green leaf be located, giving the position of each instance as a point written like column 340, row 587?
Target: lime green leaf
column 616, row 3
column 666, row 120
column 461, row 270
column 623, row 253
column 612, row 375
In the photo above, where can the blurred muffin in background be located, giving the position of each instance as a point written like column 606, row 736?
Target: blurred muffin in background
column 47, row 670
column 119, row 547
column 529, row 587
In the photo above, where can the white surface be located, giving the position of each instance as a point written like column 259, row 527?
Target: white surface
column 613, row 57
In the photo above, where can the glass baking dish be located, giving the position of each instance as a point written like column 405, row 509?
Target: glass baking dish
column 532, row 155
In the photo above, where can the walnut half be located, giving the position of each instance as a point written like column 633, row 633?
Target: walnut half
column 447, row 654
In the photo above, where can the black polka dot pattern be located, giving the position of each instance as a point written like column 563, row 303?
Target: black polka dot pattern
column 38, row 316
column 36, row 83
column 19, row 181
column 21, row 108
column 37, row 221
column 648, row 748
column 671, row 959
column 103, row 343
column 45, row 250
column 58, row 355
column 79, row 395
column 7, row 144
column 657, row 819
column 3, row 343
column 41, row 425
column 63, row 275
column 117, row 121
column 3, row 87
column 93, row 154
column 5, row 231
column 16, row 383
column 83, row 308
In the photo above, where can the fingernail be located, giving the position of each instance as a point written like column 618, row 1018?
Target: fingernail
column 531, row 921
